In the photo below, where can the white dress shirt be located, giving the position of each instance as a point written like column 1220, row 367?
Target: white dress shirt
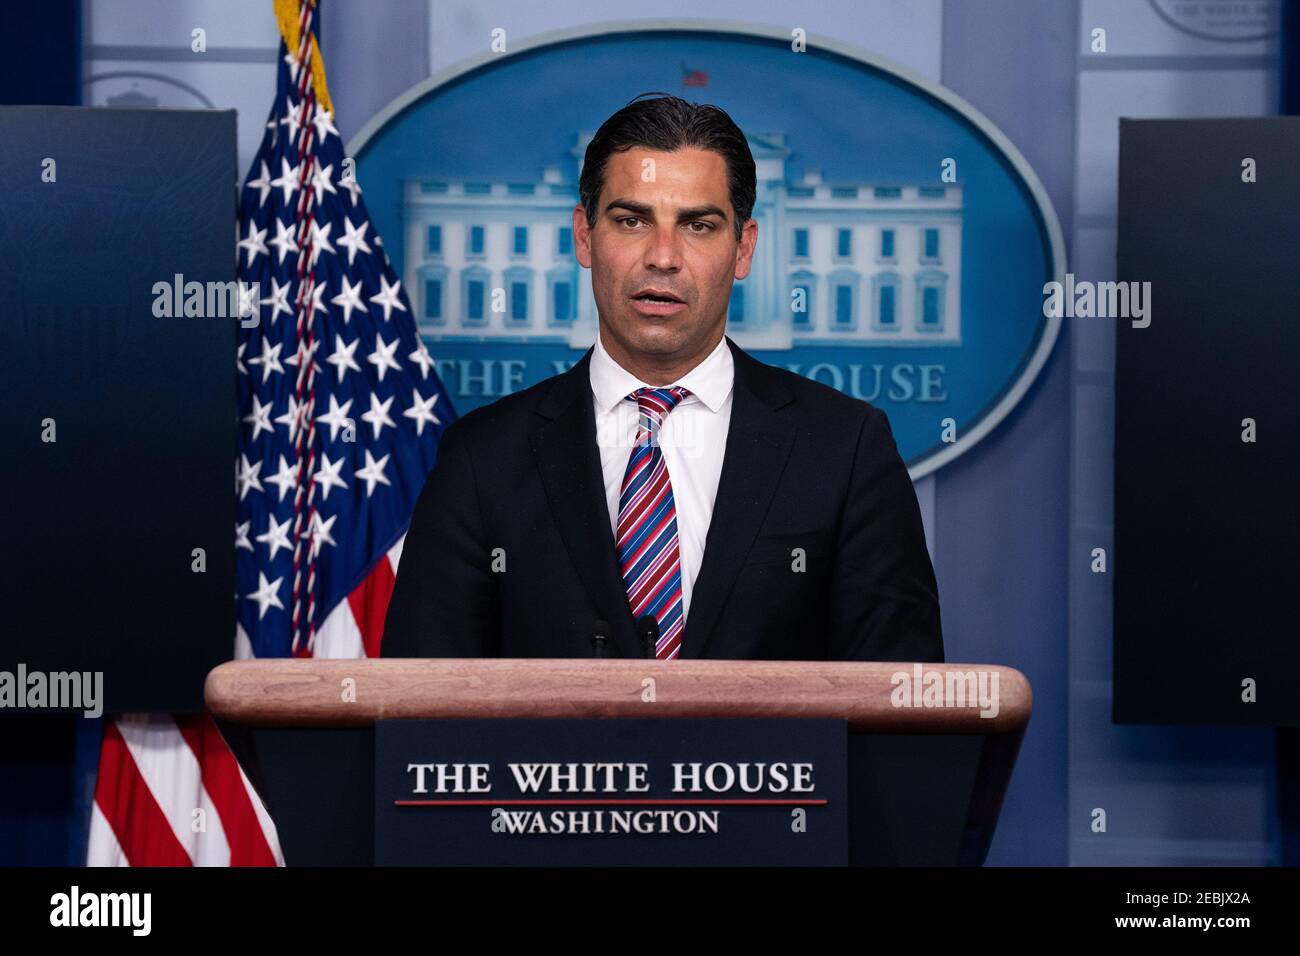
column 693, row 438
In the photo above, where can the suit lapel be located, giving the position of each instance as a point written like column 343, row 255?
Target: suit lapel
column 758, row 444
column 564, row 445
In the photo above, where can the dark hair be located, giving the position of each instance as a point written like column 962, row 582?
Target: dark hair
column 669, row 123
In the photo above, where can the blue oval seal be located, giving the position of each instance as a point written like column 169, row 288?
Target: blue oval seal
column 915, row 238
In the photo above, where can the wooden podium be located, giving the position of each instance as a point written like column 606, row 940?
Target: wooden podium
column 925, row 781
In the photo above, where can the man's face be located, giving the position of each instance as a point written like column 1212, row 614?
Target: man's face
column 664, row 222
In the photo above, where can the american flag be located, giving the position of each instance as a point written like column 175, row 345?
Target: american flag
column 340, row 412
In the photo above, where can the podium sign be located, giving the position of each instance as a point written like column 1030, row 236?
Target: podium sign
column 725, row 792
column 389, row 773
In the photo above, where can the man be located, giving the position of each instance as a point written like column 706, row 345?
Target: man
column 670, row 495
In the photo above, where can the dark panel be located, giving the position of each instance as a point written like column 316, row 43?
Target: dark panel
column 40, row 53
column 910, row 796
column 1206, row 548
column 100, row 525
column 37, row 799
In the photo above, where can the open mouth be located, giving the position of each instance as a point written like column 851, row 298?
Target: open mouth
column 657, row 304
column 659, row 297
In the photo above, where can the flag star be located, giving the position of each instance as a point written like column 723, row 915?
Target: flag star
column 240, row 367
column 292, row 418
column 349, row 299
column 422, row 411
column 322, row 122
column 373, row 473
column 260, row 417
column 355, row 240
column 254, row 242
column 336, row 417
column 279, row 300
column 343, row 356
column 241, row 534
column 305, row 349
column 284, row 241
column 318, row 532
column 382, row 356
column 320, row 240
column 287, row 180
column 322, row 183
column 291, row 116
column 349, row 182
column 388, row 296
column 378, row 414
column 246, row 478
column 286, row 479
column 277, row 535
column 292, row 59
column 262, row 184
column 266, row 595
column 327, row 475
column 269, row 359
column 422, row 358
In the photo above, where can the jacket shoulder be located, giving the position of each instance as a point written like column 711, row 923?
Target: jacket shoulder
column 820, row 400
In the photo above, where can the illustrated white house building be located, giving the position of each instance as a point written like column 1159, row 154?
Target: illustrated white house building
column 845, row 264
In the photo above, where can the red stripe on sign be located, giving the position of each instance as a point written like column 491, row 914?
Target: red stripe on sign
column 247, row 842
column 128, row 804
column 369, row 602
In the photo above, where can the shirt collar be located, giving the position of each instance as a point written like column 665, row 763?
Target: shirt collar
column 710, row 381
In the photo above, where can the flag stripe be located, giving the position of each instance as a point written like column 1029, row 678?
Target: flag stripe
column 105, row 850
column 221, row 780
column 143, row 833
column 263, row 818
column 369, row 604
column 173, row 776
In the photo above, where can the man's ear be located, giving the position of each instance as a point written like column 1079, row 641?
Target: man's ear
column 581, row 236
column 745, row 250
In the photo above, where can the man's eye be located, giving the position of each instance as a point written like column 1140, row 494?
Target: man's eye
column 626, row 219
column 700, row 222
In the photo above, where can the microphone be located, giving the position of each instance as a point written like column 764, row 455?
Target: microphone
column 648, row 627
column 599, row 635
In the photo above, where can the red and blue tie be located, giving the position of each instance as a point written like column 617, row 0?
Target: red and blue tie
column 647, row 524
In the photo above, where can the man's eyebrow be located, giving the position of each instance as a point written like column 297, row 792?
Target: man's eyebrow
column 684, row 215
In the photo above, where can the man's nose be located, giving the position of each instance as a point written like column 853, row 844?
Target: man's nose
column 664, row 252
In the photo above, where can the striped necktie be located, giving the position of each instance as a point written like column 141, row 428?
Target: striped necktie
column 647, row 524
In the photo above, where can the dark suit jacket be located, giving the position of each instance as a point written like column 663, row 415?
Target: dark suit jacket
column 805, row 467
